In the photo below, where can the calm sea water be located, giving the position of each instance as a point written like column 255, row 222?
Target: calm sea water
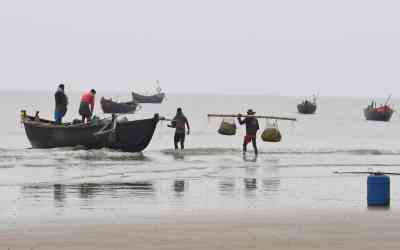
column 69, row 183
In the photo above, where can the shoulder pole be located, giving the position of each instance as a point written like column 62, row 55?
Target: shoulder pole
column 253, row 116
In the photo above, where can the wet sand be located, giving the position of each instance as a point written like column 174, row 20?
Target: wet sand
column 292, row 229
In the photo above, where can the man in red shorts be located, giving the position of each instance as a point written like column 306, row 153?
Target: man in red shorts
column 251, row 130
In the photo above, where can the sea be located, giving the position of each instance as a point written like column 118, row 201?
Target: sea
column 211, row 174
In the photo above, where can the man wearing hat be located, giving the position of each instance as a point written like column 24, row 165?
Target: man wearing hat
column 251, row 130
column 61, row 101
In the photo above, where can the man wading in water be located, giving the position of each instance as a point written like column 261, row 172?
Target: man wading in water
column 251, row 130
column 180, row 123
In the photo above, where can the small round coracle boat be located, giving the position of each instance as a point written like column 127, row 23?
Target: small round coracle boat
column 307, row 107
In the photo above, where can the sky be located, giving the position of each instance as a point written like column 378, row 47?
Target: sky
column 280, row 47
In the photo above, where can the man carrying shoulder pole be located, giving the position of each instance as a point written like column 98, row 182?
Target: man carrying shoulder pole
column 251, row 130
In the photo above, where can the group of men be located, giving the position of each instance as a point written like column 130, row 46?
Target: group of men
column 86, row 106
column 179, row 122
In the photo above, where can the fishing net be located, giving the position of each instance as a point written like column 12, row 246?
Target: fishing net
column 227, row 127
column 271, row 132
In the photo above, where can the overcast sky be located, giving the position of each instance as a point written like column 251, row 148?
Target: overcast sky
column 284, row 47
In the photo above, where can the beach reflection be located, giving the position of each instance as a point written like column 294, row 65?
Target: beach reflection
column 179, row 186
column 114, row 190
column 271, row 185
column 59, row 195
column 87, row 192
column 227, row 186
column 144, row 194
column 249, row 158
column 250, row 185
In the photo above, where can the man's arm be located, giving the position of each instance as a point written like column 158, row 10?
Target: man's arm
column 241, row 122
column 92, row 105
column 187, row 125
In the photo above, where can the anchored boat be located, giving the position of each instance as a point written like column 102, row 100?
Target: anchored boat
column 111, row 107
column 382, row 113
column 307, row 107
column 156, row 98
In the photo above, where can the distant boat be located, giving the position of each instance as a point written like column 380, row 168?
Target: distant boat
column 111, row 107
column 156, row 98
column 382, row 113
column 128, row 136
column 307, row 107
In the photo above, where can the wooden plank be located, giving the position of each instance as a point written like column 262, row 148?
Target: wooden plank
column 254, row 116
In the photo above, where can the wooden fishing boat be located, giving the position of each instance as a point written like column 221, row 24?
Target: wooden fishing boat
column 307, row 107
column 156, row 98
column 111, row 107
column 129, row 136
column 382, row 113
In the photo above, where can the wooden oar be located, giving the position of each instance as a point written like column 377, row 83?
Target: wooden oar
column 254, row 116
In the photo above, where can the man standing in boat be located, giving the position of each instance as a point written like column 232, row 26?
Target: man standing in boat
column 61, row 101
column 180, row 122
column 251, row 130
column 87, row 105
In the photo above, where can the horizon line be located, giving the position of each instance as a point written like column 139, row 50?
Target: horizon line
column 211, row 93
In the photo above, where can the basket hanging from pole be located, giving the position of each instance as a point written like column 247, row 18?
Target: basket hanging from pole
column 227, row 127
column 271, row 132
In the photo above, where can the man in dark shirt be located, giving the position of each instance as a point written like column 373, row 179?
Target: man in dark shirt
column 180, row 122
column 61, row 104
column 251, row 130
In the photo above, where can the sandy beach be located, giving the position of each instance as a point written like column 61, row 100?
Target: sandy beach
column 290, row 229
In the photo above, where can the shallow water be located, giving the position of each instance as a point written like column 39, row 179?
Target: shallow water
column 210, row 174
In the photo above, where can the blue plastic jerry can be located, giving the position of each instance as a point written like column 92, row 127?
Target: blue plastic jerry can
column 378, row 190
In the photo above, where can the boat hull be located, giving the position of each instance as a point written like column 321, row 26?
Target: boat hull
column 111, row 107
column 158, row 98
column 307, row 108
column 44, row 135
column 373, row 115
column 129, row 136
column 132, row 136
